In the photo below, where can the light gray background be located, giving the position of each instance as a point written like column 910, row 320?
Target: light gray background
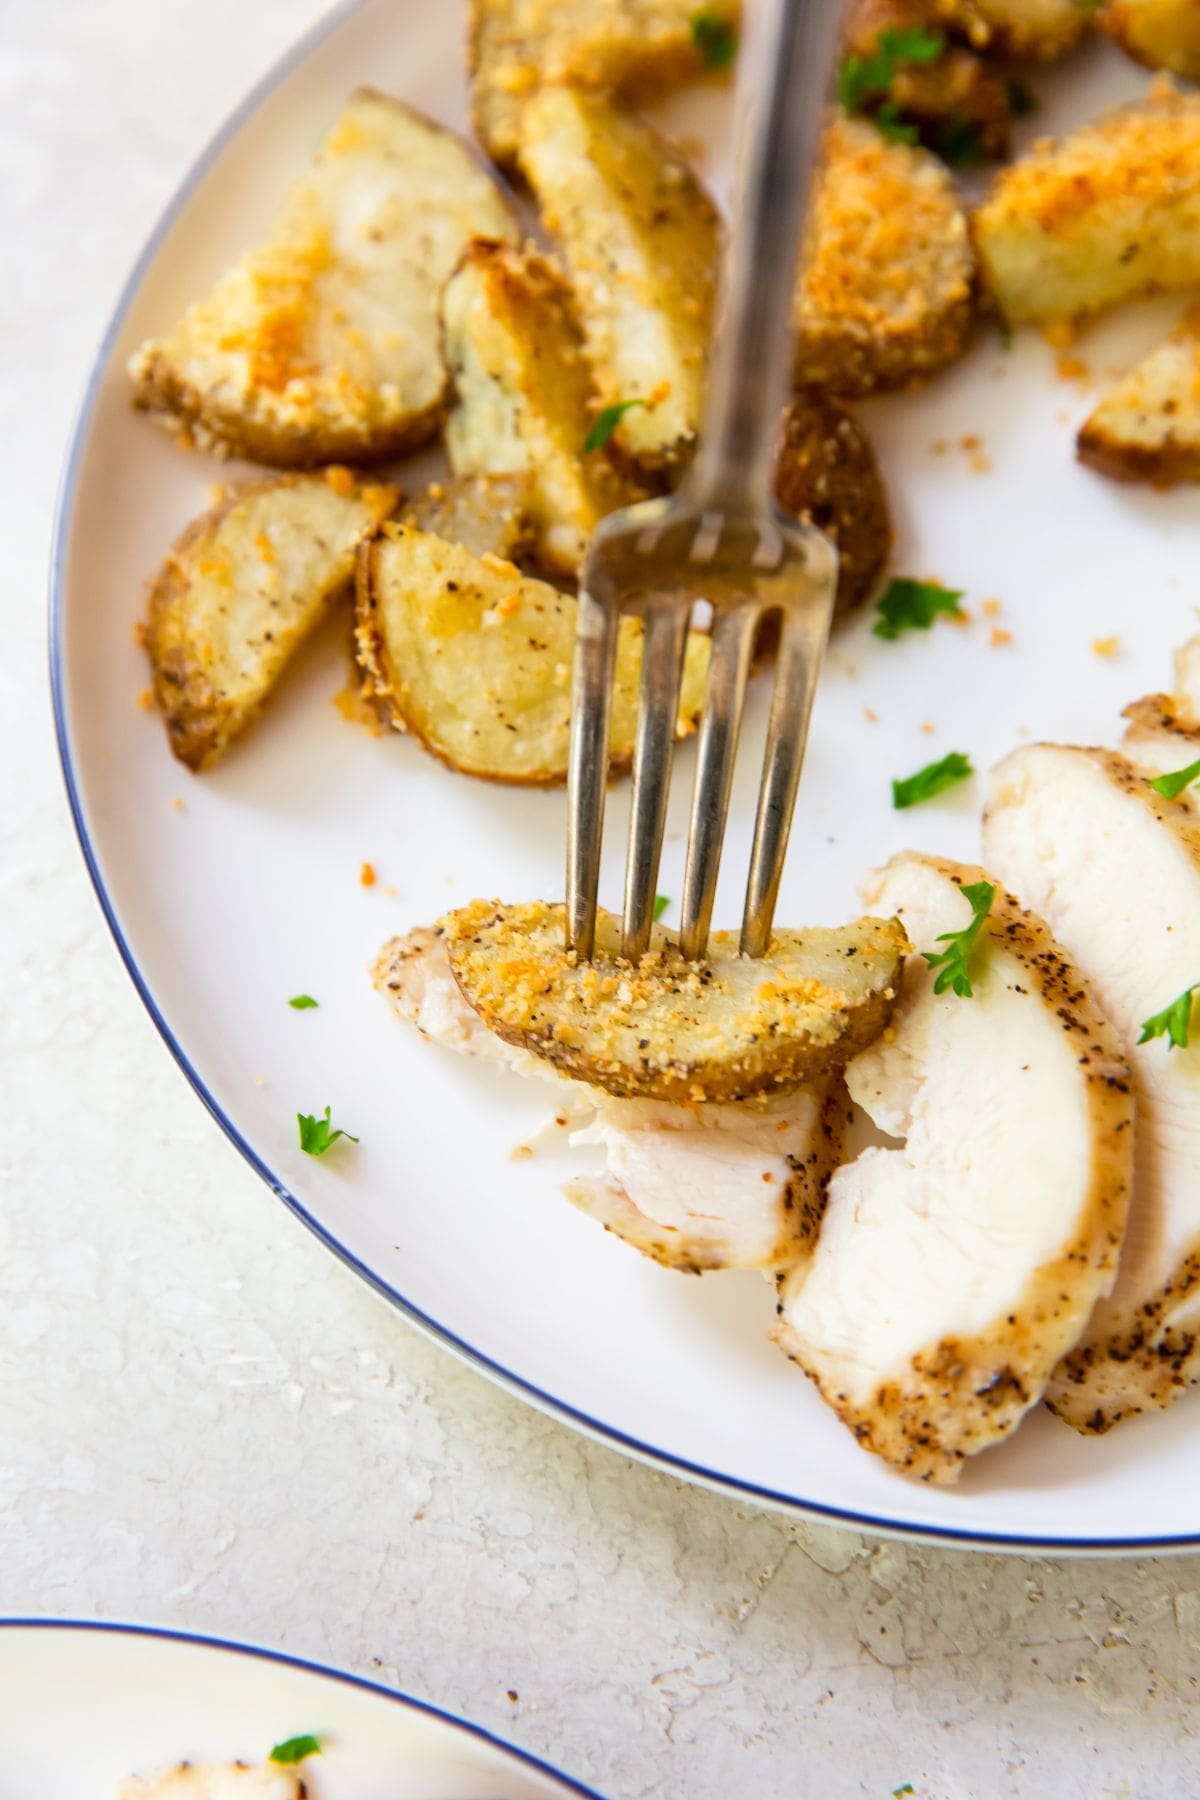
column 205, row 1421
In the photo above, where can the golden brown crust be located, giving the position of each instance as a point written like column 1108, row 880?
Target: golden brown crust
column 285, row 359
column 1147, row 426
column 215, row 660
column 827, row 474
column 1043, row 30
column 725, row 1028
column 964, row 1393
column 885, row 295
column 1162, row 34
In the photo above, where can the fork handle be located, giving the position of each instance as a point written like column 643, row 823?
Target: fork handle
column 783, row 88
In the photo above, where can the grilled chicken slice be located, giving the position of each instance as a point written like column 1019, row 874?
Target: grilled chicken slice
column 723, row 1028
column 1163, row 734
column 214, row 1781
column 954, row 1269
column 737, row 1186
column 1116, row 871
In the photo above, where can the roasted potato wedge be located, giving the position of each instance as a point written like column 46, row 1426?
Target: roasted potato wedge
column 486, row 514
column 641, row 240
column 524, row 401
column 961, row 108
column 667, row 1029
column 1086, row 221
column 1040, row 29
column 323, row 344
column 475, row 659
column 633, row 48
column 239, row 593
column 1163, row 34
column 1147, row 426
column 827, row 474
column 885, row 289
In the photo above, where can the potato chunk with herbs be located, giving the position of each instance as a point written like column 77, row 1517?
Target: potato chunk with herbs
column 1107, row 214
column 475, row 659
column 243, row 588
column 524, row 401
column 323, row 343
column 641, row 239
column 665, row 1029
column 885, row 289
column 635, row 48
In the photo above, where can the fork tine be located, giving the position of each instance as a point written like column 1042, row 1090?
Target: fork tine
column 587, row 770
column 729, row 667
column 797, row 667
column 658, row 716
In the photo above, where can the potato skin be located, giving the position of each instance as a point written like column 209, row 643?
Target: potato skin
column 486, row 514
column 230, row 604
column 725, row 1028
column 886, row 288
column 322, row 342
column 1162, row 34
column 827, row 474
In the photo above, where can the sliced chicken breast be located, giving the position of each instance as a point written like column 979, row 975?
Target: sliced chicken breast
column 214, row 1781
column 1116, row 871
column 955, row 1268
column 1163, row 734
column 727, row 1186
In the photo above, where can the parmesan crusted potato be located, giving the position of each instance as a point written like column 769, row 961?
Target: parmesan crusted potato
column 827, row 475
column 1041, row 29
column 1147, row 426
column 630, row 47
column 214, row 1781
column 1163, row 34
column 475, row 660
column 641, row 241
column 322, row 344
column 666, row 1029
column 486, row 514
column 885, row 290
column 1087, row 221
column 961, row 107
column 524, row 398
column 242, row 589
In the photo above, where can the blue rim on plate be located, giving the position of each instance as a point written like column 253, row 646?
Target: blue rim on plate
column 549, row 1403
column 262, row 1654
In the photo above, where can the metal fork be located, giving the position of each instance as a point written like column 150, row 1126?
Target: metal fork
column 719, row 539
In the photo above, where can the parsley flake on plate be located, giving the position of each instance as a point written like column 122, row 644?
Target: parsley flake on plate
column 607, row 420
column 661, row 903
column 863, row 78
column 1174, row 1022
column 295, row 1749
column 1171, row 786
column 908, row 605
column 952, row 965
column 301, row 1002
column 933, row 779
column 315, row 1134
column 715, row 38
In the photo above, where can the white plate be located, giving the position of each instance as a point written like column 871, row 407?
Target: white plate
column 85, row 1705
column 229, row 893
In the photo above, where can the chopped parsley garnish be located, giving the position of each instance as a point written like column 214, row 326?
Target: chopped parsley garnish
column 302, row 1002
column 952, row 964
column 1171, row 786
column 661, row 903
column 866, row 78
column 906, row 1789
column 959, row 142
column 294, row 1750
column 315, row 1134
column 894, row 126
column 606, row 423
column 908, row 605
column 715, row 38
column 1174, row 1022
column 933, row 779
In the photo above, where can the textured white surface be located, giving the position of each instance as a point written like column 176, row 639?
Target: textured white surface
column 205, row 1421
